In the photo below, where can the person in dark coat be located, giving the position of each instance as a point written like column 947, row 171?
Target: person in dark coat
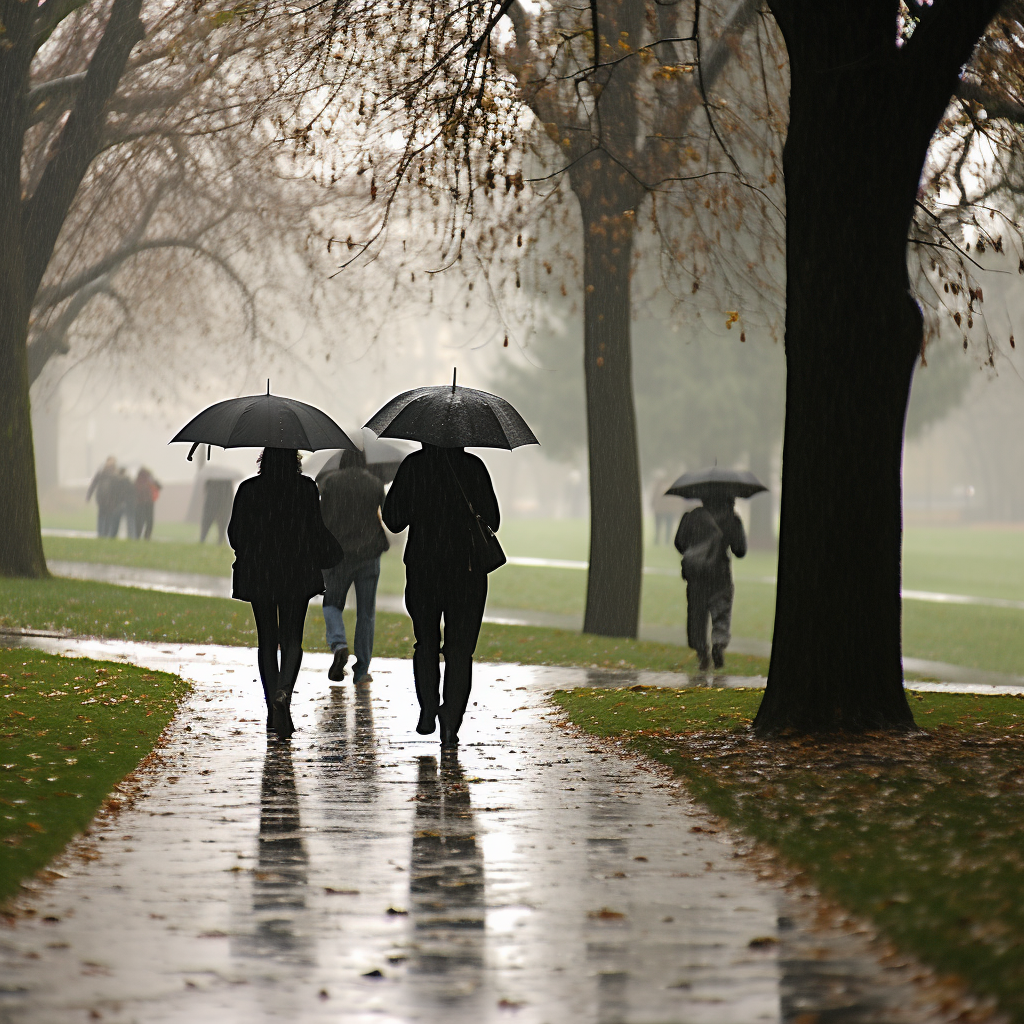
column 122, row 491
column 216, row 508
column 281, row 547
column 350, row 499
column 429, row 496
column 102, row 486
column 147, row 490
column 705, row 536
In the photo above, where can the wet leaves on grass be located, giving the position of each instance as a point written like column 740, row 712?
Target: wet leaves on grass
column 70, row 730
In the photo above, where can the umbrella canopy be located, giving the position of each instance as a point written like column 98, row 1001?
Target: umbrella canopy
column 382, row 458
column 717, row 483
column 264, row 421
column 452, row 417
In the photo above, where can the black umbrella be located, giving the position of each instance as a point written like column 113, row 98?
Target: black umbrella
column 264, row 421
column 717, row 483
column 452, row 417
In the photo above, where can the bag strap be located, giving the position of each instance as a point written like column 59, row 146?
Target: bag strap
column 458, row 482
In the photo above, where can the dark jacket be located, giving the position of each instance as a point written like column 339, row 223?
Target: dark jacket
column 426, row 497
column 350, row 500
column 280, row 540
column 704, row 541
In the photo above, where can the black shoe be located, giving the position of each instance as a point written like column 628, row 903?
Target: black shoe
column 283, row 716
column 718, row 655
column 337, row 670
column 703, row 659
column 427, row 723
column 449, row 736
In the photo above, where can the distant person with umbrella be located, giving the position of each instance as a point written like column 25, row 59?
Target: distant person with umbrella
column 444, row 496
column 705, row 537
column 277, row 531
column 351, row 499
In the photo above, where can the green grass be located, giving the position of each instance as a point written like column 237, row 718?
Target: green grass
column 921, row 834
column 70, row 730
column 983, row 562
column 103, row 609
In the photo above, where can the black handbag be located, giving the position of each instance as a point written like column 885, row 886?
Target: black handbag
column 487, row 553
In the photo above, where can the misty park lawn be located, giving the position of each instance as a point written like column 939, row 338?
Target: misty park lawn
column 71, row 729
column 85, row 608
column 970, row 560
column 921, row 834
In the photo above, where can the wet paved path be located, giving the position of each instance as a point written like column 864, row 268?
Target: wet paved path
column 358, row 875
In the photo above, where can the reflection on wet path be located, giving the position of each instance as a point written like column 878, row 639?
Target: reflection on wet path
column 446, row 885
column 282, row 868
column 356, row 875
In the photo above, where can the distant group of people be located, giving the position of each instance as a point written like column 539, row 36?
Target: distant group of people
column 294, row 538
column 119, row 497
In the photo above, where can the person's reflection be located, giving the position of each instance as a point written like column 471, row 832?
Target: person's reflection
column 446, row 884
column 279, row 884
column 347, row 765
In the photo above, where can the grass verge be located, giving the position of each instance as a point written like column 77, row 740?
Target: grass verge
column 921, row 834
column 70, row 730
column 124, row 613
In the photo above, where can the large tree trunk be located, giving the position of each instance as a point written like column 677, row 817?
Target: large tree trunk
column 853, row 333
column 21, row 545
column 616, row 516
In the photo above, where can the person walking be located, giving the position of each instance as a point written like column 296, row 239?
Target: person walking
column 281, row 547
column 351, row 499
column 438, row 493
column 102, row 486
column 147, row 490
column 705, row 536
column 216, row 507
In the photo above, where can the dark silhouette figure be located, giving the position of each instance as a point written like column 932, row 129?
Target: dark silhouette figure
column 147, row 490
column 103, row 487
column 350, row 499
column 122, row 497
column 217, row 507
column 281, row 545
column 704, row 538
column 429, row 495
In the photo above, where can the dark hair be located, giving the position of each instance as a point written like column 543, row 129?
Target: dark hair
column 279, row 463
column 352, row 459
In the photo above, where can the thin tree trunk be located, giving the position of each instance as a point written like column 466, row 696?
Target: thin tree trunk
column 616, row 517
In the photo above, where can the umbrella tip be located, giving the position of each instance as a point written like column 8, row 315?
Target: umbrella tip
column 455, row 370
column 268, row 385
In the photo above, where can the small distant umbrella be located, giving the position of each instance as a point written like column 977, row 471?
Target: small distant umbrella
column 717, row 483
column 264, row 421
column 452, row 417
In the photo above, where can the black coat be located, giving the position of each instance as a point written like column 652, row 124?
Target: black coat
column 280, row 540
column 425, row 496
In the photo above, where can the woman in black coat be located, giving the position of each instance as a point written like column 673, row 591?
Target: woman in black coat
column 281, row 545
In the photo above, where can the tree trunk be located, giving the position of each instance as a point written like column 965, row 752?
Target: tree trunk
column 853, row 333
column 616, row 516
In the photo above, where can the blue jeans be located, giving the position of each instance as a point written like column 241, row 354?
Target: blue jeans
column 338, row 581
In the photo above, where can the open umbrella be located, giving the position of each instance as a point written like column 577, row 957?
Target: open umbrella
column 717, row 483
column 263, row 421
column 452, row 417
column 382, row 458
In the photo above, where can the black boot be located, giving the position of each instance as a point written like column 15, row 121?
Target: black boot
column 427, row 723
column 703, row 659
column 449, row 736
column 337, row 670
column 283, row 716
column 718, row 655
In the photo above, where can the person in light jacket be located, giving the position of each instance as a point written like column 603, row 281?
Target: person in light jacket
column 350, row 499
column 281, row 547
